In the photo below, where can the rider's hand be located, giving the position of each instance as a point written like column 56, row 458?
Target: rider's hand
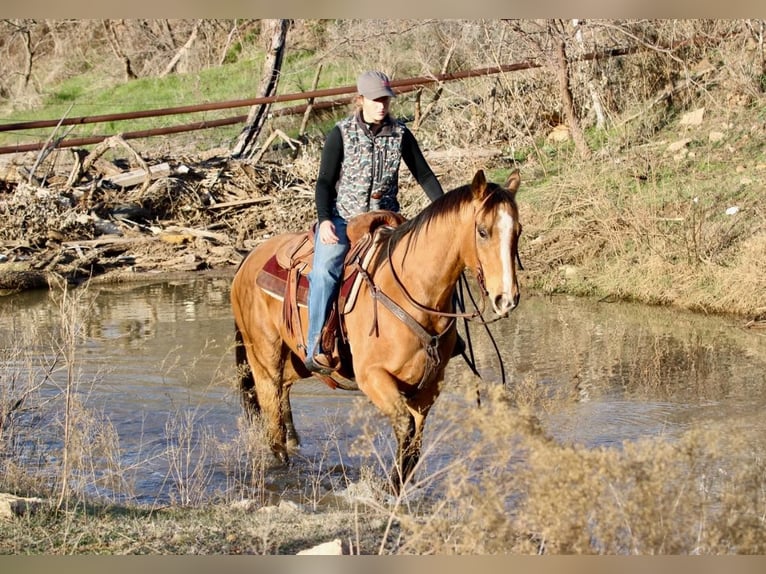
column 327, row 232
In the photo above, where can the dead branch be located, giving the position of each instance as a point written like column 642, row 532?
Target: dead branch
column 183, row 50
column 118, row 141
column 310, row 106
column 276, row 133
column 272, row 69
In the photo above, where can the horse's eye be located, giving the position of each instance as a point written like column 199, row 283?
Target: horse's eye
column 482, row 231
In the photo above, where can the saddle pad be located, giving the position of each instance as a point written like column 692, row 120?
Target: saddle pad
column 273, row 279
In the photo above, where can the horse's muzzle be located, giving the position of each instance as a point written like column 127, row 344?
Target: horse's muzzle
column 504, row 304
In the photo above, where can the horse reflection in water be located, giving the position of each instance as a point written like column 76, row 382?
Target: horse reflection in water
column 397, row 336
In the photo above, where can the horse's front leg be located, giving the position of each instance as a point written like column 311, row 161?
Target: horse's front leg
column 291, row 435
column 381, row 388
column 407, row 451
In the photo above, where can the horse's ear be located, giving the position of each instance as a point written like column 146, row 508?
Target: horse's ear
column 479, row 184
column 513, row 182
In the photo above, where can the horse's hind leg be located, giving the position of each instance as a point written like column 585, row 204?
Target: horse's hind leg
column 266, row 394
column 291, row 435
column 245, row 376
column 274, row 396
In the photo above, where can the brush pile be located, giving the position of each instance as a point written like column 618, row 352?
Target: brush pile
column 91, row 218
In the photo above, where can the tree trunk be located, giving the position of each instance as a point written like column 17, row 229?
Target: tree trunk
column 26, row 37
column 232, row 33
column 565, row 92
column 598, row 109
column 272, row 66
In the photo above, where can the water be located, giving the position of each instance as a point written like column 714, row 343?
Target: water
column 154, row 363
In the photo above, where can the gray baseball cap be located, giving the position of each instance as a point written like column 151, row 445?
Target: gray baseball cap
column 373, row 85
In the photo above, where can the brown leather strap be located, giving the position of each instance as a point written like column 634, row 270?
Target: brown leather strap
column 430, row 342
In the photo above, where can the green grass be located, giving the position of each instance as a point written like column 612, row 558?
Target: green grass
column 90, row 94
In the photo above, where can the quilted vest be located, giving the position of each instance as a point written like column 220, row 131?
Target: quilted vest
column 369, row 177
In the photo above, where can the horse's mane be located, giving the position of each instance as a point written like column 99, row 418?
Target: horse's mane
column 448, row 205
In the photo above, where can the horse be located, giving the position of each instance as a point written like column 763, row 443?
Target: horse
column 400, row 331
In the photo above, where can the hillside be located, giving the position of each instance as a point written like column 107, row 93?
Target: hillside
column 663, row 203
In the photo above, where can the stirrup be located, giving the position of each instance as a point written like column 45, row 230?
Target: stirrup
column 320, row 363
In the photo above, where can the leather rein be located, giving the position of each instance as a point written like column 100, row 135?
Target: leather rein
column 430, row 342
column 478, row 273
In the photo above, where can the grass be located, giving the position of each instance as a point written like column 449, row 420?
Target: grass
column 652, row 228
column 91, row 93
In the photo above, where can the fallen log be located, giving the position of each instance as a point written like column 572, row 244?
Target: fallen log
column 14, row 281
column 136, row 176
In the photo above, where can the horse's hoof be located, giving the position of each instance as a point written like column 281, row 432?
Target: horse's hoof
column 281, row 455
column 293, row 444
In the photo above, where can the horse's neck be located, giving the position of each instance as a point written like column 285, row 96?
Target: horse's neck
column 429, row 269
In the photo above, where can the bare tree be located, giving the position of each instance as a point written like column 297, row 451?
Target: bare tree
column 557, row 30
column 276, row 31
column 595, row 97
column 758, row 32
column 23, row 29
column 183, row 51
column 551, row 47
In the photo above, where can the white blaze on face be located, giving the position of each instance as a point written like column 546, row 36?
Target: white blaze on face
column 505, row 226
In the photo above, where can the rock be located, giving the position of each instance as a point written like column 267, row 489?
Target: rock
column 332, row 548
column 12, row 506
column 246, row 505
column 678, row 145
column 290, row 506
column 693, row 118
column 569, row 271
column 715, row 137
column 559, row 134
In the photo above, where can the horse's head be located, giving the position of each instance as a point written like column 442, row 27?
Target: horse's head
column 496, row 235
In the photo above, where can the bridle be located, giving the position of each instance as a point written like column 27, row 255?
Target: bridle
column 478, row 274
column 431, row 342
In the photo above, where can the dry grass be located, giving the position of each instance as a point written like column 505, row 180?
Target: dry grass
column 656, row 229
column 519, row 491
column 511, row 488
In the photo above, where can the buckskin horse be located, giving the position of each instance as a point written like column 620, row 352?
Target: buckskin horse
column 396, row 325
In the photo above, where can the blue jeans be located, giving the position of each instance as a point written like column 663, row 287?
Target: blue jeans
column 324, row 281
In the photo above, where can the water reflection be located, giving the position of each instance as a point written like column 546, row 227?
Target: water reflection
column 620, row 371
column 153, row 355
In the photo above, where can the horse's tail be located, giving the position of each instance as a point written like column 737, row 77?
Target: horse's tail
column 247, row 390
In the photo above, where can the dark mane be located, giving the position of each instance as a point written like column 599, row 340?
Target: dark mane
column 448, row 205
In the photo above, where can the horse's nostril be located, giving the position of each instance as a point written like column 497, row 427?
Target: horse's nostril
column 502, row 304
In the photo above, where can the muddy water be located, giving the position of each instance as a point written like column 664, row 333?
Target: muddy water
column 151, row 365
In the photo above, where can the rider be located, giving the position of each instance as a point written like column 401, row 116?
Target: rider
column 358, row 172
